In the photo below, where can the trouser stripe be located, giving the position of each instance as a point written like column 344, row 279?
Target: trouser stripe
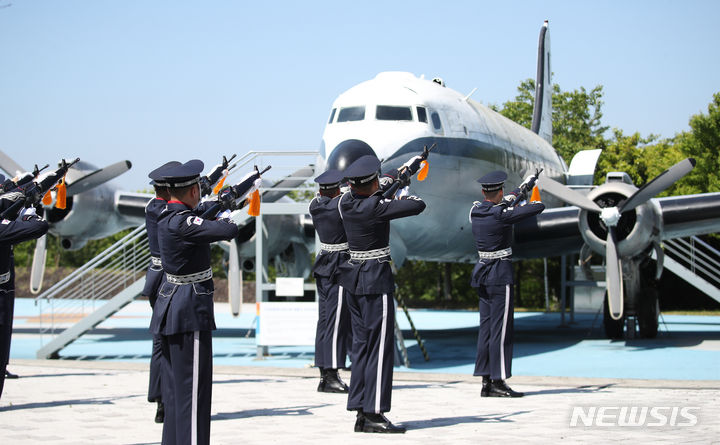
column 502, row 334
column 196, row 372
column 336, row 328
column 381, row 353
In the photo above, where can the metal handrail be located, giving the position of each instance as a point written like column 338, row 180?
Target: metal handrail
column 705, row 260
column 91, row 264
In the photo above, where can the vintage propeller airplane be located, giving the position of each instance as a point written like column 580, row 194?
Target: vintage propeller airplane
column 94, row 209
column 396, row 114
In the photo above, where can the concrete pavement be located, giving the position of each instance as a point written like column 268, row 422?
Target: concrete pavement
column 74, row 402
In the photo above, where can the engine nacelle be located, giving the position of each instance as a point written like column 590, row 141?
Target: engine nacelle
column 635, row 231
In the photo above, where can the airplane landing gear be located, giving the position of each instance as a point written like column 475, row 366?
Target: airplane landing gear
column 613, row 328
column 648, row 313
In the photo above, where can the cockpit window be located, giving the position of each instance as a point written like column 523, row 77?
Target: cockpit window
column 388, row 113
column 436, row 120
column 351, row 114
column 332, row 115
column 422, row 114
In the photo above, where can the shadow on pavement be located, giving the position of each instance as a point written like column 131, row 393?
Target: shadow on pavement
column 289, row 411
column 55, row 403
column 440, row 422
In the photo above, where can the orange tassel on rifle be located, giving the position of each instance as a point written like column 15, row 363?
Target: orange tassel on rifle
column 61, row 195
column 422, row 174
column 535, row 196
column 254, row 207
column 47, row 199
column 220, row 183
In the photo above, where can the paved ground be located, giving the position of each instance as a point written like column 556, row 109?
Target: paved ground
column 100, row 402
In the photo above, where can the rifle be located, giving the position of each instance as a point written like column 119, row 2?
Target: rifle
column 10, row 185
column 404, row 178
column 34, row 192
column 227, row 197
column 525, row 188
column 207, row 182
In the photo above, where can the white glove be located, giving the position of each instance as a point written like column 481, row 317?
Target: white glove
column 410, row 162
column 224, row 215
column 402, row 192
column 527, row 181
column 29, row 211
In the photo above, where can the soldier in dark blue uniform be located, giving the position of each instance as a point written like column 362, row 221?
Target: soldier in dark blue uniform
column 492, row 221
column 367, row 277
column 183, row 312
column 333, row 327
column 153, row 279
column 25, row 227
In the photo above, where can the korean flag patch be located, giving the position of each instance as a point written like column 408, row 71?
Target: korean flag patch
column 194, row 220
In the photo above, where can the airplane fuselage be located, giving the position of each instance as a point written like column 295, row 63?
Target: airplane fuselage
column 397, row 114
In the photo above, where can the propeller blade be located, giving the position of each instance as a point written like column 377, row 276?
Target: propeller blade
column 661, row 182
column 98, row 177
column 11, row 167
column 613, row 276
column 567, row 194
column 37, row 272
column 235, row 279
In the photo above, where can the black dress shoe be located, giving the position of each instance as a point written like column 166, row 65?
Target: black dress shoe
column 160, row 413
column 359, row 421
column 333, row 382
column 10, row 375
column 498, row 388
column 485, row 391
column 378, row 423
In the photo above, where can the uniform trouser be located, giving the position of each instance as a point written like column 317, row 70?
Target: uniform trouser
column 495, row 344
column 155, row 387
column 187, row 387
column 7, row 299
column 333, row 327
column 373, row 327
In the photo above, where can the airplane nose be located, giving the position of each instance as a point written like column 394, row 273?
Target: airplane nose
column 346, row 152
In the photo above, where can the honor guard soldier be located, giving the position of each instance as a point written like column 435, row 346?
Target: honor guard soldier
column 27, row 226
column 153, row 279
column 492, row 221
column 183, row 312
column 333, row 327
column 368, row 279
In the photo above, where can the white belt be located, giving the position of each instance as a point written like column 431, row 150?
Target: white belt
column 155, row 261
column 4, row 278
column 495, row 255
column 334, row 247
column 190, row 278
column 363, row 255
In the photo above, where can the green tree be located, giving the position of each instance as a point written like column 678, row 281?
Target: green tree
column 577, row 116
column 702, row 142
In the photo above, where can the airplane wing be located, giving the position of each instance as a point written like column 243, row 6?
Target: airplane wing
column 132, row 205
column 690, row 215
column 556, row 231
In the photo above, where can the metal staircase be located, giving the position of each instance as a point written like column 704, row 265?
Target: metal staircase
column 93, row 293
column 696, row 262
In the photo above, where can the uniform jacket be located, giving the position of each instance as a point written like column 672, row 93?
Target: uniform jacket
column 492, row 229
column 329, row 227
column 366, row 220
column 184, row 240
column 13, row 232
column 154, row 274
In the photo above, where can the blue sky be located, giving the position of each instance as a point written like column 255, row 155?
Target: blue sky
column 151, row 81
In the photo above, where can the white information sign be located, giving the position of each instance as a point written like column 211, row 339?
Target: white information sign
column 289, row 287
column 286, row 323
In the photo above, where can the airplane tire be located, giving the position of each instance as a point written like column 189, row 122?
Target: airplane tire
column 613, row 328
column 649, row 313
